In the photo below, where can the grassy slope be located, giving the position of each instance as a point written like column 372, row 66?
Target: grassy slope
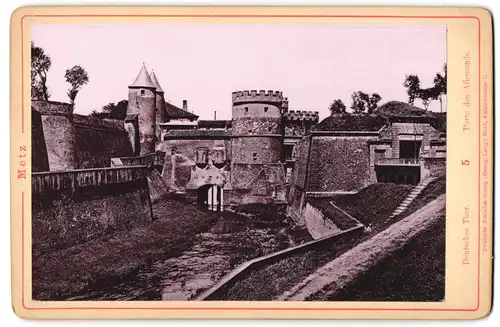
column 371, row 205
column 416, row 272
column 113, row 257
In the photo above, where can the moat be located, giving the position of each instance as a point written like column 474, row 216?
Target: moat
column 234, row 238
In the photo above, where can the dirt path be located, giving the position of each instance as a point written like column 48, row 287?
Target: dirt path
column 338, row 273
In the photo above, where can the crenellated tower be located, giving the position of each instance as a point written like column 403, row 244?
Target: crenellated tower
column 257, row 132
column 142, row 104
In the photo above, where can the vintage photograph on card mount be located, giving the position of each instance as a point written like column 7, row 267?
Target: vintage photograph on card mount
column 238, row 162
column 203, row 162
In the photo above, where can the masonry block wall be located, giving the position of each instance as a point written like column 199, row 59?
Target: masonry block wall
column 39, row 156
column 180, row 170
column 160, row 109
column 257, row 139
column 339, row 164
column 142, row 101
column 98, row 141
column 58, row 135
column 256, row 150
column 297, row 193
column 63, row 141
column 73, row 207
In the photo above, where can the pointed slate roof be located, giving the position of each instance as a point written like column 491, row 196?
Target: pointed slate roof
column 174, row 112
column 143, row 79
column 155, row 82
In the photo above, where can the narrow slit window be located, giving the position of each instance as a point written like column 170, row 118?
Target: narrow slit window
column 246, row 109
column 265, row 109
column 143, row 92
column 255, row 156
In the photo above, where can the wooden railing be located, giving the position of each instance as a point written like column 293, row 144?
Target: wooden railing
column 156, row 159
column 398, row 162
column 44, row 182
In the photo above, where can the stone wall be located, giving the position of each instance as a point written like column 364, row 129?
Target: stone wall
column 434, row 167
column 142, row 101
column 39, row 156
column 63, row 141
column 74, row 207
column 158, row 189
column 180, row 170
column 317, row 224
column 256, row 150
column 58, row 131
column 297, row 193
column 339, row 164
column 98, row 141
column 257, row 125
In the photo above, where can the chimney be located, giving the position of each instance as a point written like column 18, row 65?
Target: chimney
column 185, row 105
column 215, row 115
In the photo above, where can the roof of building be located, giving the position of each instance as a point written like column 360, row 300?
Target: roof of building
column 155, row 82
column 402, row 111
column 214, row 123
column 351, row 122
column 174, row 112
column 394, row 111
column 197, row 133
column 143, row 79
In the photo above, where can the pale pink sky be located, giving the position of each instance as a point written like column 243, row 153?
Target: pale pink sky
column 203, row 63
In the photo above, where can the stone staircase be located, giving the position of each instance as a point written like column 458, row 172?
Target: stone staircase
column 411, row 197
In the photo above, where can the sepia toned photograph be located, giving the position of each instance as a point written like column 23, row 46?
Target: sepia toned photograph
column 238, row 162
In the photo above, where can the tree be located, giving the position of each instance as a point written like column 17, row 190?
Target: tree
column 109, row 107
column 427, row 95
column 40, row 65
column 440, row 85
column 412, row 84
column 363, row 102
column 337, row 107
column 116, row 111
column 373, row 102
column 357, row 104
column 414, row 91
column 76, row 76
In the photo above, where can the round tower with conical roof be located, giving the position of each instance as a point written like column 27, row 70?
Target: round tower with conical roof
column 142, row 103
column 160, row 105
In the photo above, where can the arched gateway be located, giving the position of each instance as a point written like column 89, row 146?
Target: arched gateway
column 211, row 197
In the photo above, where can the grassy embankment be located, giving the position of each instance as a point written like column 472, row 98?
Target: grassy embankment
column 113, row 257
column 416, row 272
column 99, row 265
column 371, row 206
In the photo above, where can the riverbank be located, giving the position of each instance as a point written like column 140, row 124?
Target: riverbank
column 185, row 250
column 117, row 256
column 372, row 206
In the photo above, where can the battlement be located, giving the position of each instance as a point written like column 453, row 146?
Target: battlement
column 247, row 96
column 284, row 104
column 298, row 115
